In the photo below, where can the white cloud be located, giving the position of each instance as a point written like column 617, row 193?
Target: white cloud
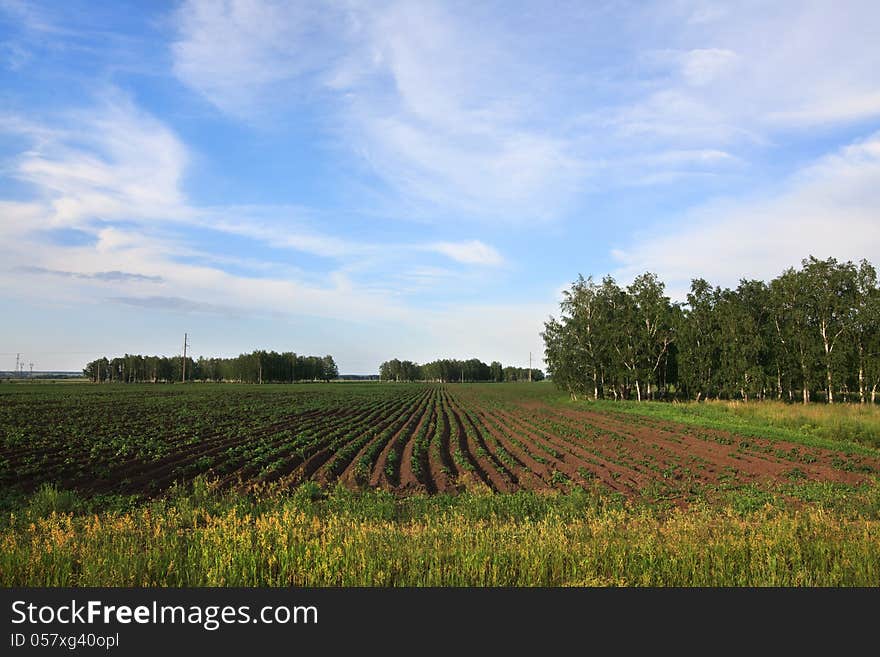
column 30, row 17
column 237, row 52
column 18, row 218
column 114, row 162
column 473, row 118
column 852, row 107
column 506, row 332
column 695, row 67
column 512, row 177
column 288, row 228
column 472, row 252
column 273, row 226
column 828, row 209
column 114, row 173
column 689, row 156
column 431, row 103
column 705, row 12
column 726, row 79
column 13, row 56
column 704, row 65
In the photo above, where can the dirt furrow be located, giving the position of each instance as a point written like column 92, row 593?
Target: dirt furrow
column 541, row 476
column 493, row 455
column 408, row 480
column 386, row 470
column 345, row 469
column 442, row 468
column 469, row 451
column 719, row 455
column 305, row 466
column 571, row 459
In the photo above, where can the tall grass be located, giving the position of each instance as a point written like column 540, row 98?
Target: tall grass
column 374, row 539
column 843, row 427
column 839, row 422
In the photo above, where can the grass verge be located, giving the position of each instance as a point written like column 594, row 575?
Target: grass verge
column 810, row 536
column 848, row 429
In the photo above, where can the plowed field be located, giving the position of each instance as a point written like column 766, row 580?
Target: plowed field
column 405, row 438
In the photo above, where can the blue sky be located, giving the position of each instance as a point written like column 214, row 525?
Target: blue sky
column 412, row 179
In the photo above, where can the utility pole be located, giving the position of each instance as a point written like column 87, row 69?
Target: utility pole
column 530, row 367
column 17, row 358
column 183, row 377
column 32, row 370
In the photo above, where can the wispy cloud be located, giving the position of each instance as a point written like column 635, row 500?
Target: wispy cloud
column 112, row 162
column 29, row 16
column 829, row 208
column 291, row 228
column 239, row 54
column 115, row 173
column 472, row 252
column 751, row 73
column 13, row 56
column 704, row 65
column 833, row 109
column 276, row 227
column 177, row 305
column 432, row 104
column 105, row 276
column 450, row 113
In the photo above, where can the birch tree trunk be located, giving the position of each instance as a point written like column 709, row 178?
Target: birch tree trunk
column 861, row 373
column 828, row 390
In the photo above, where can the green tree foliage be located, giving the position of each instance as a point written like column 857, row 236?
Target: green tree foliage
column 256, row 367
column 695, row 331
column 810, row 333
column 512, row 374
column 652, row 317
column 866, row 332
column 450, row 370
column 400, row 370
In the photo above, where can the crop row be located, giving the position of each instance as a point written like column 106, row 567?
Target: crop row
column 409, row 438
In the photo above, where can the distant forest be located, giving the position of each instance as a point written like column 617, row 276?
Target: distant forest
column 449, row 370
column 812, row 333
column 255, row 367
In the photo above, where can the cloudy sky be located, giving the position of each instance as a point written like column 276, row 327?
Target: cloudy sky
column 412, row 179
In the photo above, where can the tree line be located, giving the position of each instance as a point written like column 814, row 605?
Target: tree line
column 449, row 370
column 810, row 334
column 256, row 367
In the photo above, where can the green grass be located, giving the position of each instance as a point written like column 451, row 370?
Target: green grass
column 308, row 537
column 845, row 428
column 838, row 422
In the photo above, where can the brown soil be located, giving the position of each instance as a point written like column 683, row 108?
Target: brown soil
column 503, row 447
column 753, row 458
